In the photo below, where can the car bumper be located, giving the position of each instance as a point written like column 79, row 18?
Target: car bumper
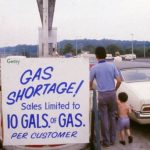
column 142, row 118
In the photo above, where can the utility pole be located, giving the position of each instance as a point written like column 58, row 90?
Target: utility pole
column 144, row 49
column 132, row 43
column 76, row 47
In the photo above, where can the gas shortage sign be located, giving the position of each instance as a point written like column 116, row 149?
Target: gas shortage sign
column 45, row 100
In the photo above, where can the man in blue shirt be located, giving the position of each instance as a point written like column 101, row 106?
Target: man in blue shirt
column 105, row 74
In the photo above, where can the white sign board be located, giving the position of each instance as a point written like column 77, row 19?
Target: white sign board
column 45, row 100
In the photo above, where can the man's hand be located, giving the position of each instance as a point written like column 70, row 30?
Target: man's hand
column 91, row 85
column 118, row 82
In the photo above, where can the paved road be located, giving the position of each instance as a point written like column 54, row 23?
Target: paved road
column 147, row 60
column 141, row 134
column 143, row 60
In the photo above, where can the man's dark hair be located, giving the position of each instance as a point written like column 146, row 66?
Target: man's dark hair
column 100, row 52
column 122, row 96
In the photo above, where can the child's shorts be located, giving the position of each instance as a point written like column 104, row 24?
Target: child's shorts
column 123, row 123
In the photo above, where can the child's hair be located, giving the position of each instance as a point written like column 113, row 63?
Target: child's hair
column 122, row 96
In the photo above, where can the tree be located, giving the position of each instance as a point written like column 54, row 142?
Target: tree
column 89, row 48
column 112, row 48
column 68, row 48
column 148, row 52
column 127, row 51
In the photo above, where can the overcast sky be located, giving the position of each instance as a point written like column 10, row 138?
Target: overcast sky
column 76, row 19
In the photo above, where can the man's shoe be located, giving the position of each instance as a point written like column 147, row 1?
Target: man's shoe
column 105, row 145
column 122, row 142
column 112, row 143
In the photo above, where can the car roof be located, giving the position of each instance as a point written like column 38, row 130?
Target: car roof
column 132, row 64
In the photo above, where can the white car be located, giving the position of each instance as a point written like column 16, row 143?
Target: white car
column 136, row 83
column 109, row 57
column 130, row 57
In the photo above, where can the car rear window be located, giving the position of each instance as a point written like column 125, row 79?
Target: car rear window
column 136, row 74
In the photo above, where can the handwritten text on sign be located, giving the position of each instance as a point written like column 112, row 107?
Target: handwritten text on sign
column 45, row 101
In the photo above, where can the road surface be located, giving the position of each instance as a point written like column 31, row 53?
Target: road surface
column 141, row 134
column 141, row 141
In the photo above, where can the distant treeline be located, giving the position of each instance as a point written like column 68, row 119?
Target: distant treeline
column 79, row 45
column 24, row 50
column 124, row 47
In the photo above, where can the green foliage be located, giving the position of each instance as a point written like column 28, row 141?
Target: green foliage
column 112, row 48
column 127, row 51
column 147, row 52
column 89, row 48
column 25, row 50
column 68, row 48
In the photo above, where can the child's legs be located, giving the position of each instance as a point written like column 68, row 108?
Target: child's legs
column 127, row 127
column 128, row 132
column 122, row 135
column 130, row 138
column 123, row 126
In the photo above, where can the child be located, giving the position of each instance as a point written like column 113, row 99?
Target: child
column 123, row 120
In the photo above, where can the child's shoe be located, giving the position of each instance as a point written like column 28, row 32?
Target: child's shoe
column 130, row 139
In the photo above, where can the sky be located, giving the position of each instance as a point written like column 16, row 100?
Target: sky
column 76, row 19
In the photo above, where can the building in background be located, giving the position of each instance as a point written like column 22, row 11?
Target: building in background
column 47, row 34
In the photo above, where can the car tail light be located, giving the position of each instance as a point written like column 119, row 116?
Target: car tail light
column 146, row 108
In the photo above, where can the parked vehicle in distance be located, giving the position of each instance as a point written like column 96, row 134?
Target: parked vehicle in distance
column 109, row 57
column 68, row 55
column 130, row 57
column 136, row 83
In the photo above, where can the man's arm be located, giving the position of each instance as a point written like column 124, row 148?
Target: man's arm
column 118, row 82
